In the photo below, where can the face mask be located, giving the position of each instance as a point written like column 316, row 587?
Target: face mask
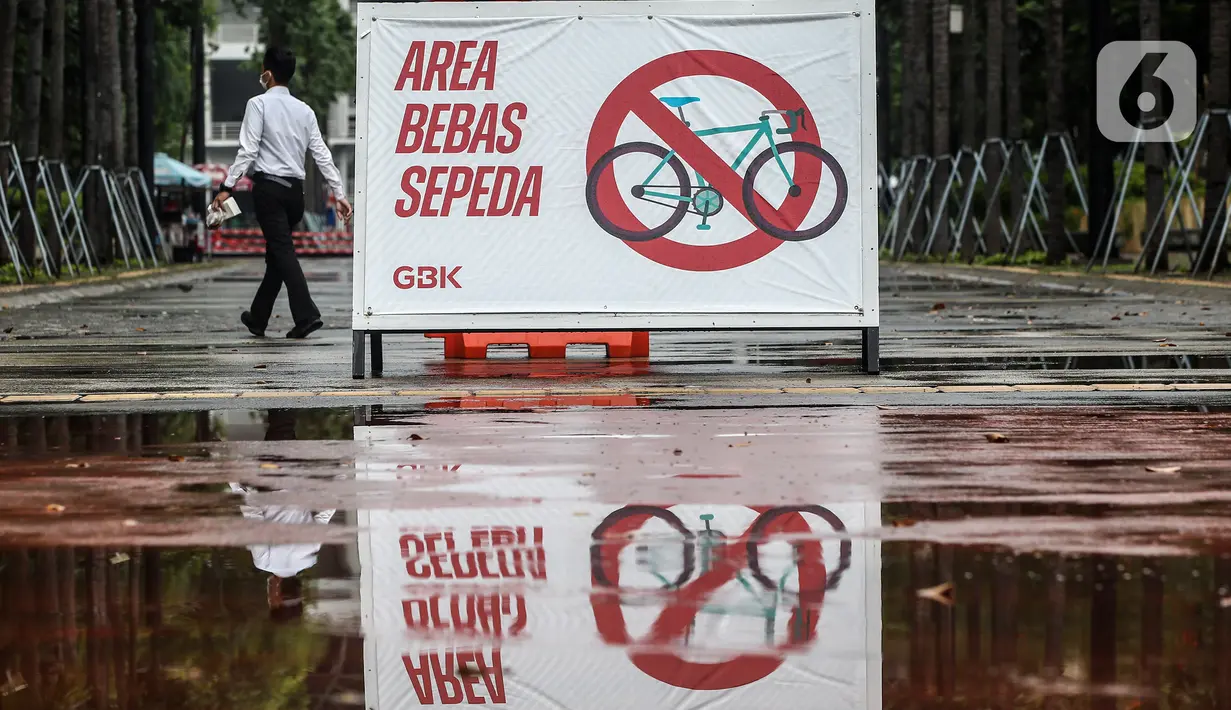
column 264, row 81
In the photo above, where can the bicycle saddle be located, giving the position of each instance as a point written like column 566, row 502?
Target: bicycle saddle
column 678, row 101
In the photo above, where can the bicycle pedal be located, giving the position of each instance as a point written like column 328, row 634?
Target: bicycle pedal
column 703, row 227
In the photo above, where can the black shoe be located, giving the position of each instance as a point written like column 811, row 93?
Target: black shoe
column 300, row 332
column 246, row 319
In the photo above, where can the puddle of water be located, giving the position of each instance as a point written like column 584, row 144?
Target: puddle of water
column 614, row 558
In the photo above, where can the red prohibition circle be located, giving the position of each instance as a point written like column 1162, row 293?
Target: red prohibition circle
column 684, row 604
column 634, row 96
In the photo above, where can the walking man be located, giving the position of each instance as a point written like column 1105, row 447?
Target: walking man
column 277, row 132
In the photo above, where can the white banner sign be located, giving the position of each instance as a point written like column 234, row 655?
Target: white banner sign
column 547, row 597
column 574, row 164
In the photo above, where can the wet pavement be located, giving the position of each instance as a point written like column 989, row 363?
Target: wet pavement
column 1028, row 509
column 633, row 556
column 939, row 328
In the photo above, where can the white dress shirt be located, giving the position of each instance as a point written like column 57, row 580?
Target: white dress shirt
column 288, row 560
column 278, row 130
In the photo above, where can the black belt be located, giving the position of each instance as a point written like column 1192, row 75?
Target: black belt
column 287, row 182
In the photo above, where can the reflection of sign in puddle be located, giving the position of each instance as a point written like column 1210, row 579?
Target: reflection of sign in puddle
column 597, row 605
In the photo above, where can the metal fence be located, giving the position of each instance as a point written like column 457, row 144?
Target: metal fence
column 63, row 239
column 917, row 209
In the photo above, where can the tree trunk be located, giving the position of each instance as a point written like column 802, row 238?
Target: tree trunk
column 940, row 120
column 128, row 46
column 1155, row 156
column 1013, row 112
column 8, row 54
column 909, row 36
column 993, row 237
column 111, row 95
column 884, row 92
column 970, row 114
column 32, row 102
column 1057, row 247
column 1219, row 142
column 53, row 141
column 92, row 131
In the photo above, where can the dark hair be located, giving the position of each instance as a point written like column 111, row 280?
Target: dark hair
column 281, row 63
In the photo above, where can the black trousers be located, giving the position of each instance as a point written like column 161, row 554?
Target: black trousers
column 278, row 209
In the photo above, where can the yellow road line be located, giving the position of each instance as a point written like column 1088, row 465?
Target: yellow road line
column 513, row 393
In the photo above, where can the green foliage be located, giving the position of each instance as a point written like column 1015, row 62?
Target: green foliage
column 321, row 33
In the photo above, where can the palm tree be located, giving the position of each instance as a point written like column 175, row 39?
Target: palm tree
column 1150, row 20
column 31, row 105
column 940, row 117
column 54, row 139
column 970, row 108
column 992, row 236
column 128, row 47
column 1013, row 107
column 1219, row 98
column 1056, row 247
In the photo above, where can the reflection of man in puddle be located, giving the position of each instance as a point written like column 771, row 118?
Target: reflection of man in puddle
column 285, row 562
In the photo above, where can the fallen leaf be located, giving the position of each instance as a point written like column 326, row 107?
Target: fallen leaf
column 938, row 307
column 1201, row 325
column 130, row 523
column 142, row 352
column 678, row 452
column 277, row 315
column 808, row 381
column 1160, row 340
column 175, row 457
column 54, row 508
column 580, row 514
column 79, row 464
column 140, row 330
column 416, row 437
column 903, row 523
column 589, row 474
column 996, row 438
column 740, row 445
column 185, row 287
column 1166, row 345
column 941, row 594
column 270, row 465
column 1164, row 469
column 119, row 558
column 885, row 407
column 84, row 326
column 259, row 367
column 1116, row 318
column 8, row 329
column 1205, row 308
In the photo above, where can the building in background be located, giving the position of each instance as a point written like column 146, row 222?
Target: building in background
column 229, row 85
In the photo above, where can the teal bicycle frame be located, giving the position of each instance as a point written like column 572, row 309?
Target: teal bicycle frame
column 762, row 130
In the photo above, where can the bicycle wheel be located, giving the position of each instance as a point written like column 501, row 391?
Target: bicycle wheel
column 756, row 536
column 598, row 545
column 831, row 168
column 632, row 230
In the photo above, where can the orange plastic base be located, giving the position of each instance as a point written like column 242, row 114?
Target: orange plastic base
column 473, row 346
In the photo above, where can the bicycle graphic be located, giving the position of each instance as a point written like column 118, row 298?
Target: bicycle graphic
column 674, row 191
column 762, row 594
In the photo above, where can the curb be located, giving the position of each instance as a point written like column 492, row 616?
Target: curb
column 29, row 296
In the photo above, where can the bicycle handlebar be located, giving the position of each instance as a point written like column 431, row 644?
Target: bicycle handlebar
column 795, row 120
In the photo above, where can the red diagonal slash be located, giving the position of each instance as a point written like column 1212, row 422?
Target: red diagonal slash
column 685, row 603
column 704, row 160
column 636, row 95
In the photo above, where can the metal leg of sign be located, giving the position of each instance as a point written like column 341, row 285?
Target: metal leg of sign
column 356, row 354
column 378, row 354
column 872, row 351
